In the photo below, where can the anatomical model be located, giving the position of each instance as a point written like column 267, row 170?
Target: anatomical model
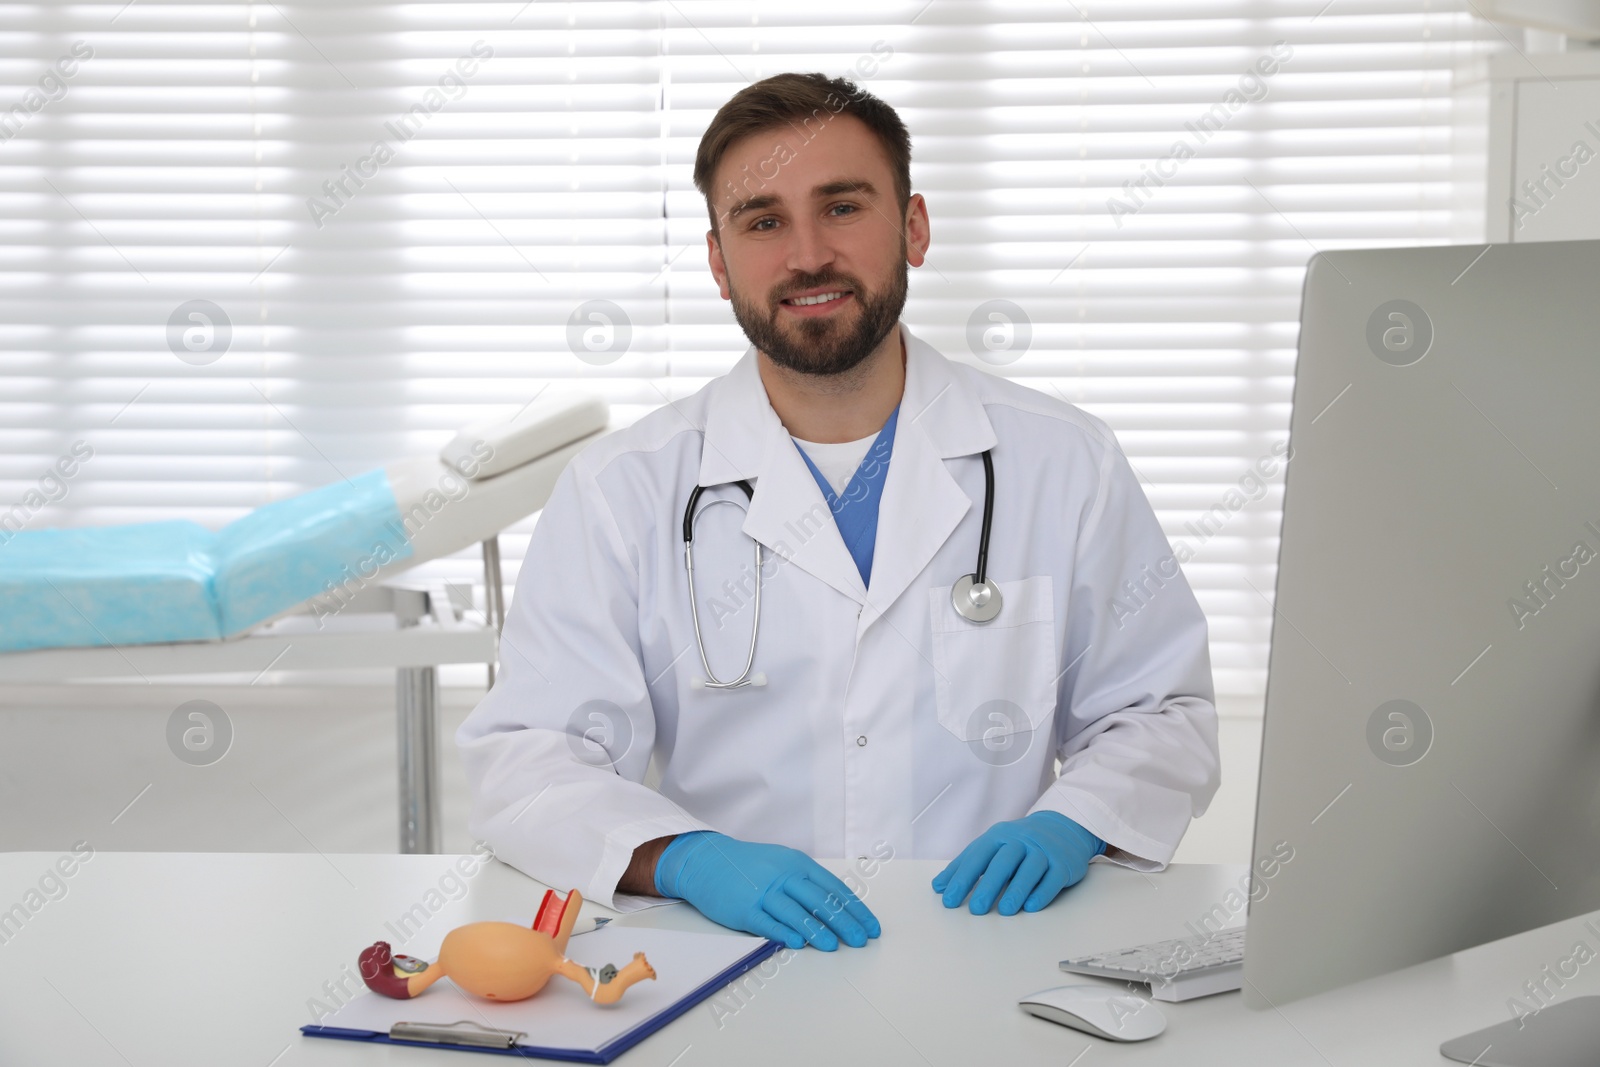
column 503, row 961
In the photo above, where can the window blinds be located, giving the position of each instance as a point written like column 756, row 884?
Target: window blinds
column 252, row 247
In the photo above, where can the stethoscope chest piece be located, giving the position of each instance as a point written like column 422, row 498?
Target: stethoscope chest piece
column 975, row 601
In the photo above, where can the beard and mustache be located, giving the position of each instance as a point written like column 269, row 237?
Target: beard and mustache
column 827, row 345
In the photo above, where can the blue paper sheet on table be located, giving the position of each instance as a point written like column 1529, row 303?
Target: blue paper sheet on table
column 150, row 583
column 560, row 1022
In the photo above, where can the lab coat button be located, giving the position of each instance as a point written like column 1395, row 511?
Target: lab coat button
column 862, row 741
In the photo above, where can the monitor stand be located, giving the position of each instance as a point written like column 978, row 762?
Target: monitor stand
column 1566, row 1034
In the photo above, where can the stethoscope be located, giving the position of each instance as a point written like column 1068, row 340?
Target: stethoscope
column 974, row 597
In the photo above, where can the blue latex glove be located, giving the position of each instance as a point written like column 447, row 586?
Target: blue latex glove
column 1030, row 859
column 768, row 890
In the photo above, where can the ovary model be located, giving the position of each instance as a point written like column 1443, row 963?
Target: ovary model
column 503, row 961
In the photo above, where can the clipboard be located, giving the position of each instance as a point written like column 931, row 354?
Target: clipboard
column 481, row 1026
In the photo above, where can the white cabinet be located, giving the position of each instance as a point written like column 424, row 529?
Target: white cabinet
column 1541, row 162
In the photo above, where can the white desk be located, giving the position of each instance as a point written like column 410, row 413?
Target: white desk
column 197, row 958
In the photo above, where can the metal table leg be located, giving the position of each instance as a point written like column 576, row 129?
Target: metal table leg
column 494, row 607
column 416, row 732
column 416, row 704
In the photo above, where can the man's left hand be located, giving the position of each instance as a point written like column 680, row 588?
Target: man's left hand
column 1025, row 863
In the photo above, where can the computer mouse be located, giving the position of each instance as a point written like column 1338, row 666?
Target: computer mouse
column 1097, row 1010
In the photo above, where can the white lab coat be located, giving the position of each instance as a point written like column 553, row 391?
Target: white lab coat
column 888, row 719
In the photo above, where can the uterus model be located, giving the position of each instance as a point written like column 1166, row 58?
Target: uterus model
column 503, row 961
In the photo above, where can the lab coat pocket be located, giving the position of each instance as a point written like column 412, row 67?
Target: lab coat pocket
column 994, row 681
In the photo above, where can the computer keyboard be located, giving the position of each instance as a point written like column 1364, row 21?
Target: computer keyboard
column 1180, row 969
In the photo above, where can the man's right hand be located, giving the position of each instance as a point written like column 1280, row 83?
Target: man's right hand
column 768, row 890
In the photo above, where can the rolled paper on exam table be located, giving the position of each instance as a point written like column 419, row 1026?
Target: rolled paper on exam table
column 149, row 583
column 153, row 583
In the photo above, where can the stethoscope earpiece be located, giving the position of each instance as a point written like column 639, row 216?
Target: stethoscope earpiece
column 759, row 678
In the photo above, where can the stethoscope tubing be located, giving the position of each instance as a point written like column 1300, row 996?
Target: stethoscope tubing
column 978, row 577
column 689, row 515
column 988, row 517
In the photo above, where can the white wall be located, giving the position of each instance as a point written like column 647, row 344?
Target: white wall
column 312, row 769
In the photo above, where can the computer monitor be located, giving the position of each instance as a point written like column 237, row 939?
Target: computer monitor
column 1430, row 761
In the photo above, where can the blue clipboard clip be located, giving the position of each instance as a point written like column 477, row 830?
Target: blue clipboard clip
column 474, row 1036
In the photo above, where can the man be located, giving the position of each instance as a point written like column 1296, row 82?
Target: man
column 877, row 717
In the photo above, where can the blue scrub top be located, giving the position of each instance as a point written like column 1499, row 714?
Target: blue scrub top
column 856, row 512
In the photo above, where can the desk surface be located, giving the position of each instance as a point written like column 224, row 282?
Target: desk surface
column 206, row 958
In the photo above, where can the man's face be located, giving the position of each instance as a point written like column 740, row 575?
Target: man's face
column 800, row 217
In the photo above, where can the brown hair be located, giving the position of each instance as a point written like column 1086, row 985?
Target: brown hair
column 811, row 101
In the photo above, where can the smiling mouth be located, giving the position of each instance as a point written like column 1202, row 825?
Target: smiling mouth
column 819, row 299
